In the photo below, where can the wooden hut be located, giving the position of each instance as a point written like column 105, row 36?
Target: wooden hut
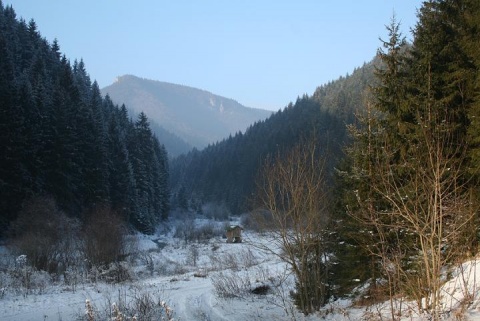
column 234, row 234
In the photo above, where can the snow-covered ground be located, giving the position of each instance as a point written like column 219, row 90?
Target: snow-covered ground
column 213, row 280
column 173, row 270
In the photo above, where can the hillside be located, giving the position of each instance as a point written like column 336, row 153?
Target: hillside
column 234, row 163
column 196, row 116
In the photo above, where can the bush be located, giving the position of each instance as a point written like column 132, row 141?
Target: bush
column 104, row 237
column 45, row 235
column 228, row 285
column 115, row 272
column 141, row 306
column 187, row 231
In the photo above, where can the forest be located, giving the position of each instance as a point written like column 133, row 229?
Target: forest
column 373, row 179
column 61, row 139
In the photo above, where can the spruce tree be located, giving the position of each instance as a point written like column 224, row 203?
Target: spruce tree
column 120, row 172
column 142, row 163
column 359, row 242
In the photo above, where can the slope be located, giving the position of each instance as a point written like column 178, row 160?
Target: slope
column 225, row 172
column 197, row 116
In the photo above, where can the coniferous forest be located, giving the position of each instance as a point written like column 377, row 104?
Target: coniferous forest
column 61, row 139
column 374, row 179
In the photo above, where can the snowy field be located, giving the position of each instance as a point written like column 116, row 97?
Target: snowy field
column 210, row 280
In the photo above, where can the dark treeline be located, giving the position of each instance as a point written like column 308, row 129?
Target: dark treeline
column 226, row 171
column 59, row 138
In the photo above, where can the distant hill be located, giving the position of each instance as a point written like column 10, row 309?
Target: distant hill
column 196, row 116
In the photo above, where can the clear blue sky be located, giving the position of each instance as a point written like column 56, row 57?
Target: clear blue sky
column 262, row 53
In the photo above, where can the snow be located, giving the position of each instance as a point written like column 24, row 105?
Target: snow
column 184, row 274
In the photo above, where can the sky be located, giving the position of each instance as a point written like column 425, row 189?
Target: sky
column 262, row 53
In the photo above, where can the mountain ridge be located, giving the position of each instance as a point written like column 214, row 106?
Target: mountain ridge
column 197, row 116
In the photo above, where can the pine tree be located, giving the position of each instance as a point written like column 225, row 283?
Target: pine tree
column 142, row 164
column 359, row 243
column 93, row 150
column 120, row 172
column 160, row 180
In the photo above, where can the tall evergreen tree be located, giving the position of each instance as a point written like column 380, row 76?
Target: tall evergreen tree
column 120, row 172
column 160, row 181
column 142, row 163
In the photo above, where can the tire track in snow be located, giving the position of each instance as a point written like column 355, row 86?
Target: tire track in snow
column 195, row 301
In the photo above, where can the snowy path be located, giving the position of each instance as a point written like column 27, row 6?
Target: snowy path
column 195, row 301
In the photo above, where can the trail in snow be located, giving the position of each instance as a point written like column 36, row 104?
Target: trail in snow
column 195, row 301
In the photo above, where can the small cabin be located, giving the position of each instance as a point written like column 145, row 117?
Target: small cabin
column 234, row 234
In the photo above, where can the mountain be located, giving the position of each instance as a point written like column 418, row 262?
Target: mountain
column 225, row 172
column 196, row 116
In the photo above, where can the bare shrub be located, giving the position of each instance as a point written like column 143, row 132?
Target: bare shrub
column 115, row 272
column 193, row 255
column 228, row 285
column 5, row 283
column 167, row 267
column 184, row 229
column 141, row 306
column 73, row 276
column 293, row 190
column 207, row 232
column 24, row 279
column 131, row 246
column 104, row 237
column 147, row 259
column 224, row 261
column 248, row 258
column 47, row 237
column 215, row 262
column 231, row 262
column 187, row 231
column 7, row 264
